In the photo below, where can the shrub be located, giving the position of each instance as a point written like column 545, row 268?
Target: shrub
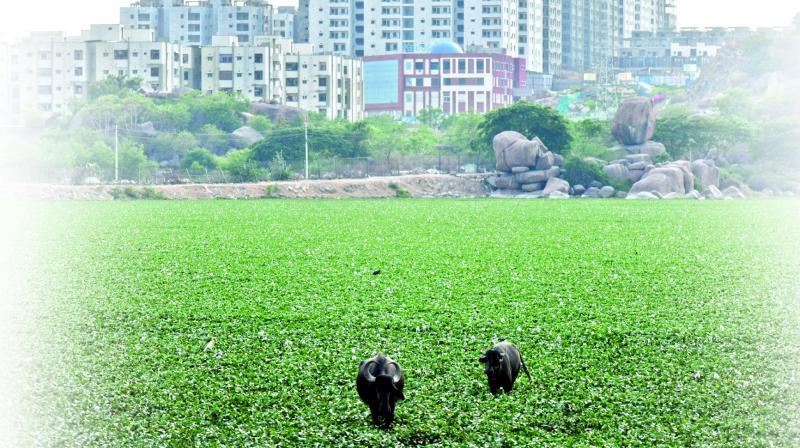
column 399, row 192
column 584, row 172
column 278, row 168
column 199, row 158
column 662, row 158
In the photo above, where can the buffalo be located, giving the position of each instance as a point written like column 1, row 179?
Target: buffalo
column 380, row 385
column 502, row 366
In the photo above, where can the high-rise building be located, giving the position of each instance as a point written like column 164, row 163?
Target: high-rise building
column 531, row 33
column 372, row 27
column 195, row 22
column 666, row 17
column 552, row 40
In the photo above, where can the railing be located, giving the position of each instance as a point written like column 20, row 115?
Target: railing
column 327, row 168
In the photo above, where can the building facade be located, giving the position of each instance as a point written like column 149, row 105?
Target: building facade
column 275, row 69
column 48, row 70
column 284, row 24
column 675, row 57
column 402, row 85
column 195, row 22
column 370, row 28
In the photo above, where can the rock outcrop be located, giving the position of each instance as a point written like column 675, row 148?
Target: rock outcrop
column 525, row 166
column 245, row 136
column 706, row 171
column 665, row 179
column 634, row 122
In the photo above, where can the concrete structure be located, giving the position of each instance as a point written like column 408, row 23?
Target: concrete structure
column 673, row 57
column 552, row 37
column 594, row 31
column 371, row 28
column 455, row 82
column 195, row 22
column 275, row 69
column 46, row 71
column 284, row 24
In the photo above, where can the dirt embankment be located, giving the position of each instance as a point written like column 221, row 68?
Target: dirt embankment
column 422, row 186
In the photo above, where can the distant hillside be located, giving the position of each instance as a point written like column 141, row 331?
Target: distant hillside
column 766, row 66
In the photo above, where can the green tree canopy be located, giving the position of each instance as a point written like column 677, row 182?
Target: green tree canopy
column 530, row 120
column 199, row 158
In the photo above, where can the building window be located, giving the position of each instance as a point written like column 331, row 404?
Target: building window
column 78, row 71
column 225, row 58
column 479, row 65
column 120, row 54
column 185, row 59
column 243, row 38
column 226, row 75
column 194, row 27
column 291, row 66
column 194, row 16
column 144, row 17
column 323, row 67
column 259, row 58
column 258, row 75
column 242, row 27
column 154, row 72
column 194, row 38
column 155, row 54
column 258, row 91
column 77, row 89
column 242, row 16
column 323, row 97
column 462, row 66
column 291, row 82
column 323, row 82
column 434, row 65
column 446, row 66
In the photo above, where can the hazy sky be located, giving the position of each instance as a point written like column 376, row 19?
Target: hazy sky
column 73, row 15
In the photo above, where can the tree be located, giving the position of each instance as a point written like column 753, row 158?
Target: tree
column 688, row 135
column 220, row 110
column 432, row 117
column 199, row 158
column 241, row 166
column 530, row 120
column 212, row 138
column 260, row 124
column 119, row 85
column 461, row 132
column 132, row 160
column 387, row 136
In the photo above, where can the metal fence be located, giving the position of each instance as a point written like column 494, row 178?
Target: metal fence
column 325, row 168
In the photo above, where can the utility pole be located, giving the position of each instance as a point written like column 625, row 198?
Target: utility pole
column 305, row 129
column 116, row 153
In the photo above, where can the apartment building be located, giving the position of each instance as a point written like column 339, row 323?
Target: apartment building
column 675, row 57
column 552, row 40
column 283, row 22
column 445, row 78
column 48, row 70
column 275, row 69
column 371, row 27
column 195, row 22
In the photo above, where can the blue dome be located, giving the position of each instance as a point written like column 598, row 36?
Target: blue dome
column 446, row 47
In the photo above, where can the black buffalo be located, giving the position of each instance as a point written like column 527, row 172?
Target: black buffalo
column 502, row 366
column 380, row 385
